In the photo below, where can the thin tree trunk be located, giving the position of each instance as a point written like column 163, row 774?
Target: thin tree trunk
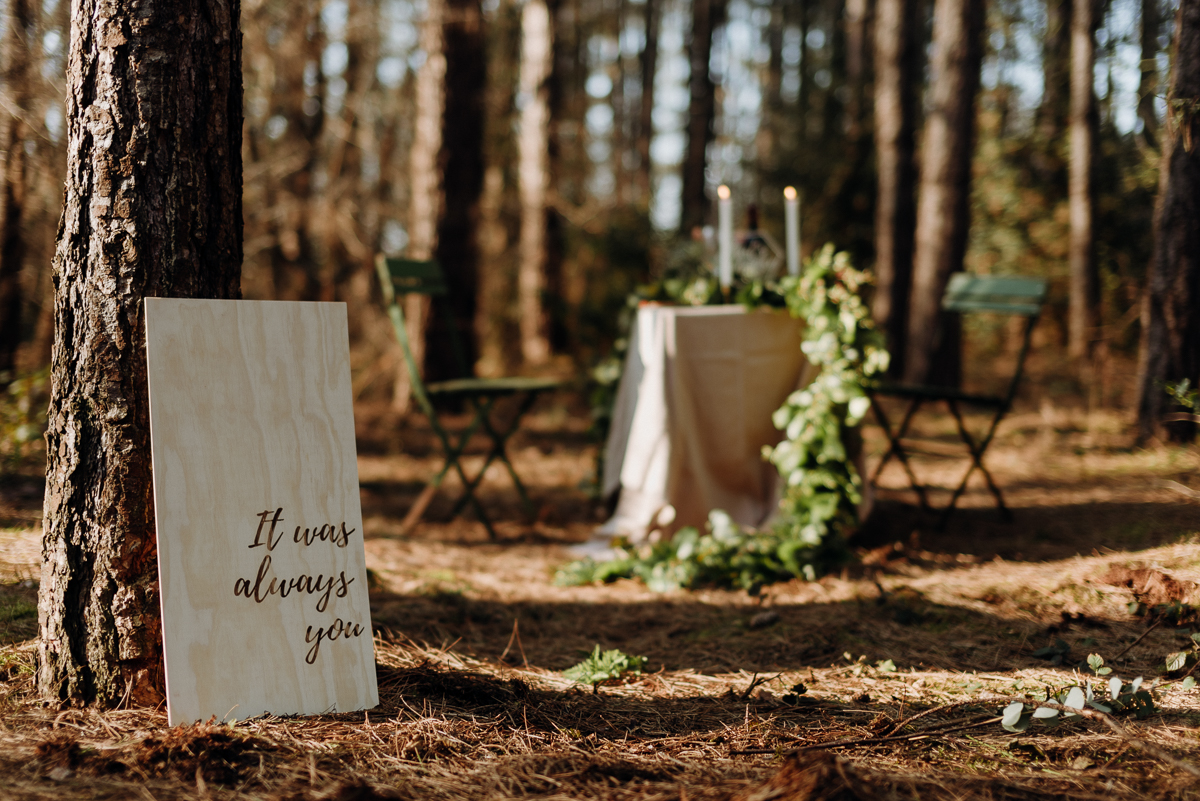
column 493, row 240
column 620, row 109
column 943, row 209
column 701, row 108
column 1148, row 86
column 1056, row 68
column 897, row 68
column 857, row 58
column 532, row 176
column 425, row 195
column 645, row 129
column 462, row 182
column 14, row 72
column 153, row 207
column 1170, row 347
column 1085, row 284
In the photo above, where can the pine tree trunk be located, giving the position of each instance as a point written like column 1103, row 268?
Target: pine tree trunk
column 943, row 208
column 897, row 68
column 532, row 176
column 1148, row 85
column 425, row 188
column 153, row 207
column 462, row 182
column 1085, row 284
column 701, row 108
column 1170, row 347
column 14, row 72
column 1056, row 68
column 645, row 128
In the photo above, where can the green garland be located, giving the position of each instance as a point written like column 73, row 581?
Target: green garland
column 822, row 489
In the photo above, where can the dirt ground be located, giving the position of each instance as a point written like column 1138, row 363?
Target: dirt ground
column 473, row 636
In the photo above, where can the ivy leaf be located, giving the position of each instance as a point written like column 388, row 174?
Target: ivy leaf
column 1176, row 661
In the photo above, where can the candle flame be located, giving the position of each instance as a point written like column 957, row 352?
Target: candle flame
column 723, row 192
column 789, row 192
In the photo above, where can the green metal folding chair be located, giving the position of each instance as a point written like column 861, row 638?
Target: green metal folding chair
column 399, row 277
column 1012, row 295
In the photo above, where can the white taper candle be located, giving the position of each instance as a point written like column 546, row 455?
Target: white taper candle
column 791, row 218
column 724, row 237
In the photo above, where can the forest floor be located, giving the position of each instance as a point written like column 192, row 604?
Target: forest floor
column 885, row 681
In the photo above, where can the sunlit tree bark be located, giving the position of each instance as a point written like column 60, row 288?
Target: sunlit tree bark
column 1083, row 316
column 943, row 209
column 1170, row 347
column 153, row 207
column 533, row 176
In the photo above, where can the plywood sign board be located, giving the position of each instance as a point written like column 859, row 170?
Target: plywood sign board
column 260, row 549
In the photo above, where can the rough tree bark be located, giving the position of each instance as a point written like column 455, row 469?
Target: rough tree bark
column 15, row 76
column 897, row 67
column 706, row 14
column 1083, row 311
column 533, row 178
column 943, row 207
column 1170, row 347
column 153, row 207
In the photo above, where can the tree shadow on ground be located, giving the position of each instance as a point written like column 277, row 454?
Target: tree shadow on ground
column 688, row 633
column 1036, row 533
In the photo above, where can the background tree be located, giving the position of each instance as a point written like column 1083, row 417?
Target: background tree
column 1170, row 347
column 153, row 207
column 536, row 49
column 15, row 78
column 897, row 68
column 943, row 206
column 706, row 15
column 1085, row 280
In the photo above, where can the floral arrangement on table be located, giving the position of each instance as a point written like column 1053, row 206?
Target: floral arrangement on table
column 822, row 489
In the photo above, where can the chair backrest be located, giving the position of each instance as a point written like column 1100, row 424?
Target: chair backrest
column 409, row 276
column 1003, row 294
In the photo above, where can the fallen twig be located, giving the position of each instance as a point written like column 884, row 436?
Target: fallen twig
column 1127, row 648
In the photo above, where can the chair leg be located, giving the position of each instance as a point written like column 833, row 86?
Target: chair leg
column 452, row 451
column 498, row 451
column 897, row 450
column 977, row 451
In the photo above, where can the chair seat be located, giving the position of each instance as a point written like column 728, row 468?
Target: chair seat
column 925, row 392
column 495, row 387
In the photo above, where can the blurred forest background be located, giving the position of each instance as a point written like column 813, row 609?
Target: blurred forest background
column 553, row 154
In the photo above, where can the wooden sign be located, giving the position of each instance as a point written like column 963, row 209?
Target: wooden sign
column 260, row 537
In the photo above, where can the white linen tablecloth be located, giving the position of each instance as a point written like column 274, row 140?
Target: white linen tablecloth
column 692, row 413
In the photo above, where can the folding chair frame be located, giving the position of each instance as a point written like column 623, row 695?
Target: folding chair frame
column 480, row 393
column 919, row 395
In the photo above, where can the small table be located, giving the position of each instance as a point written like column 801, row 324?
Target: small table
column 693, row 412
